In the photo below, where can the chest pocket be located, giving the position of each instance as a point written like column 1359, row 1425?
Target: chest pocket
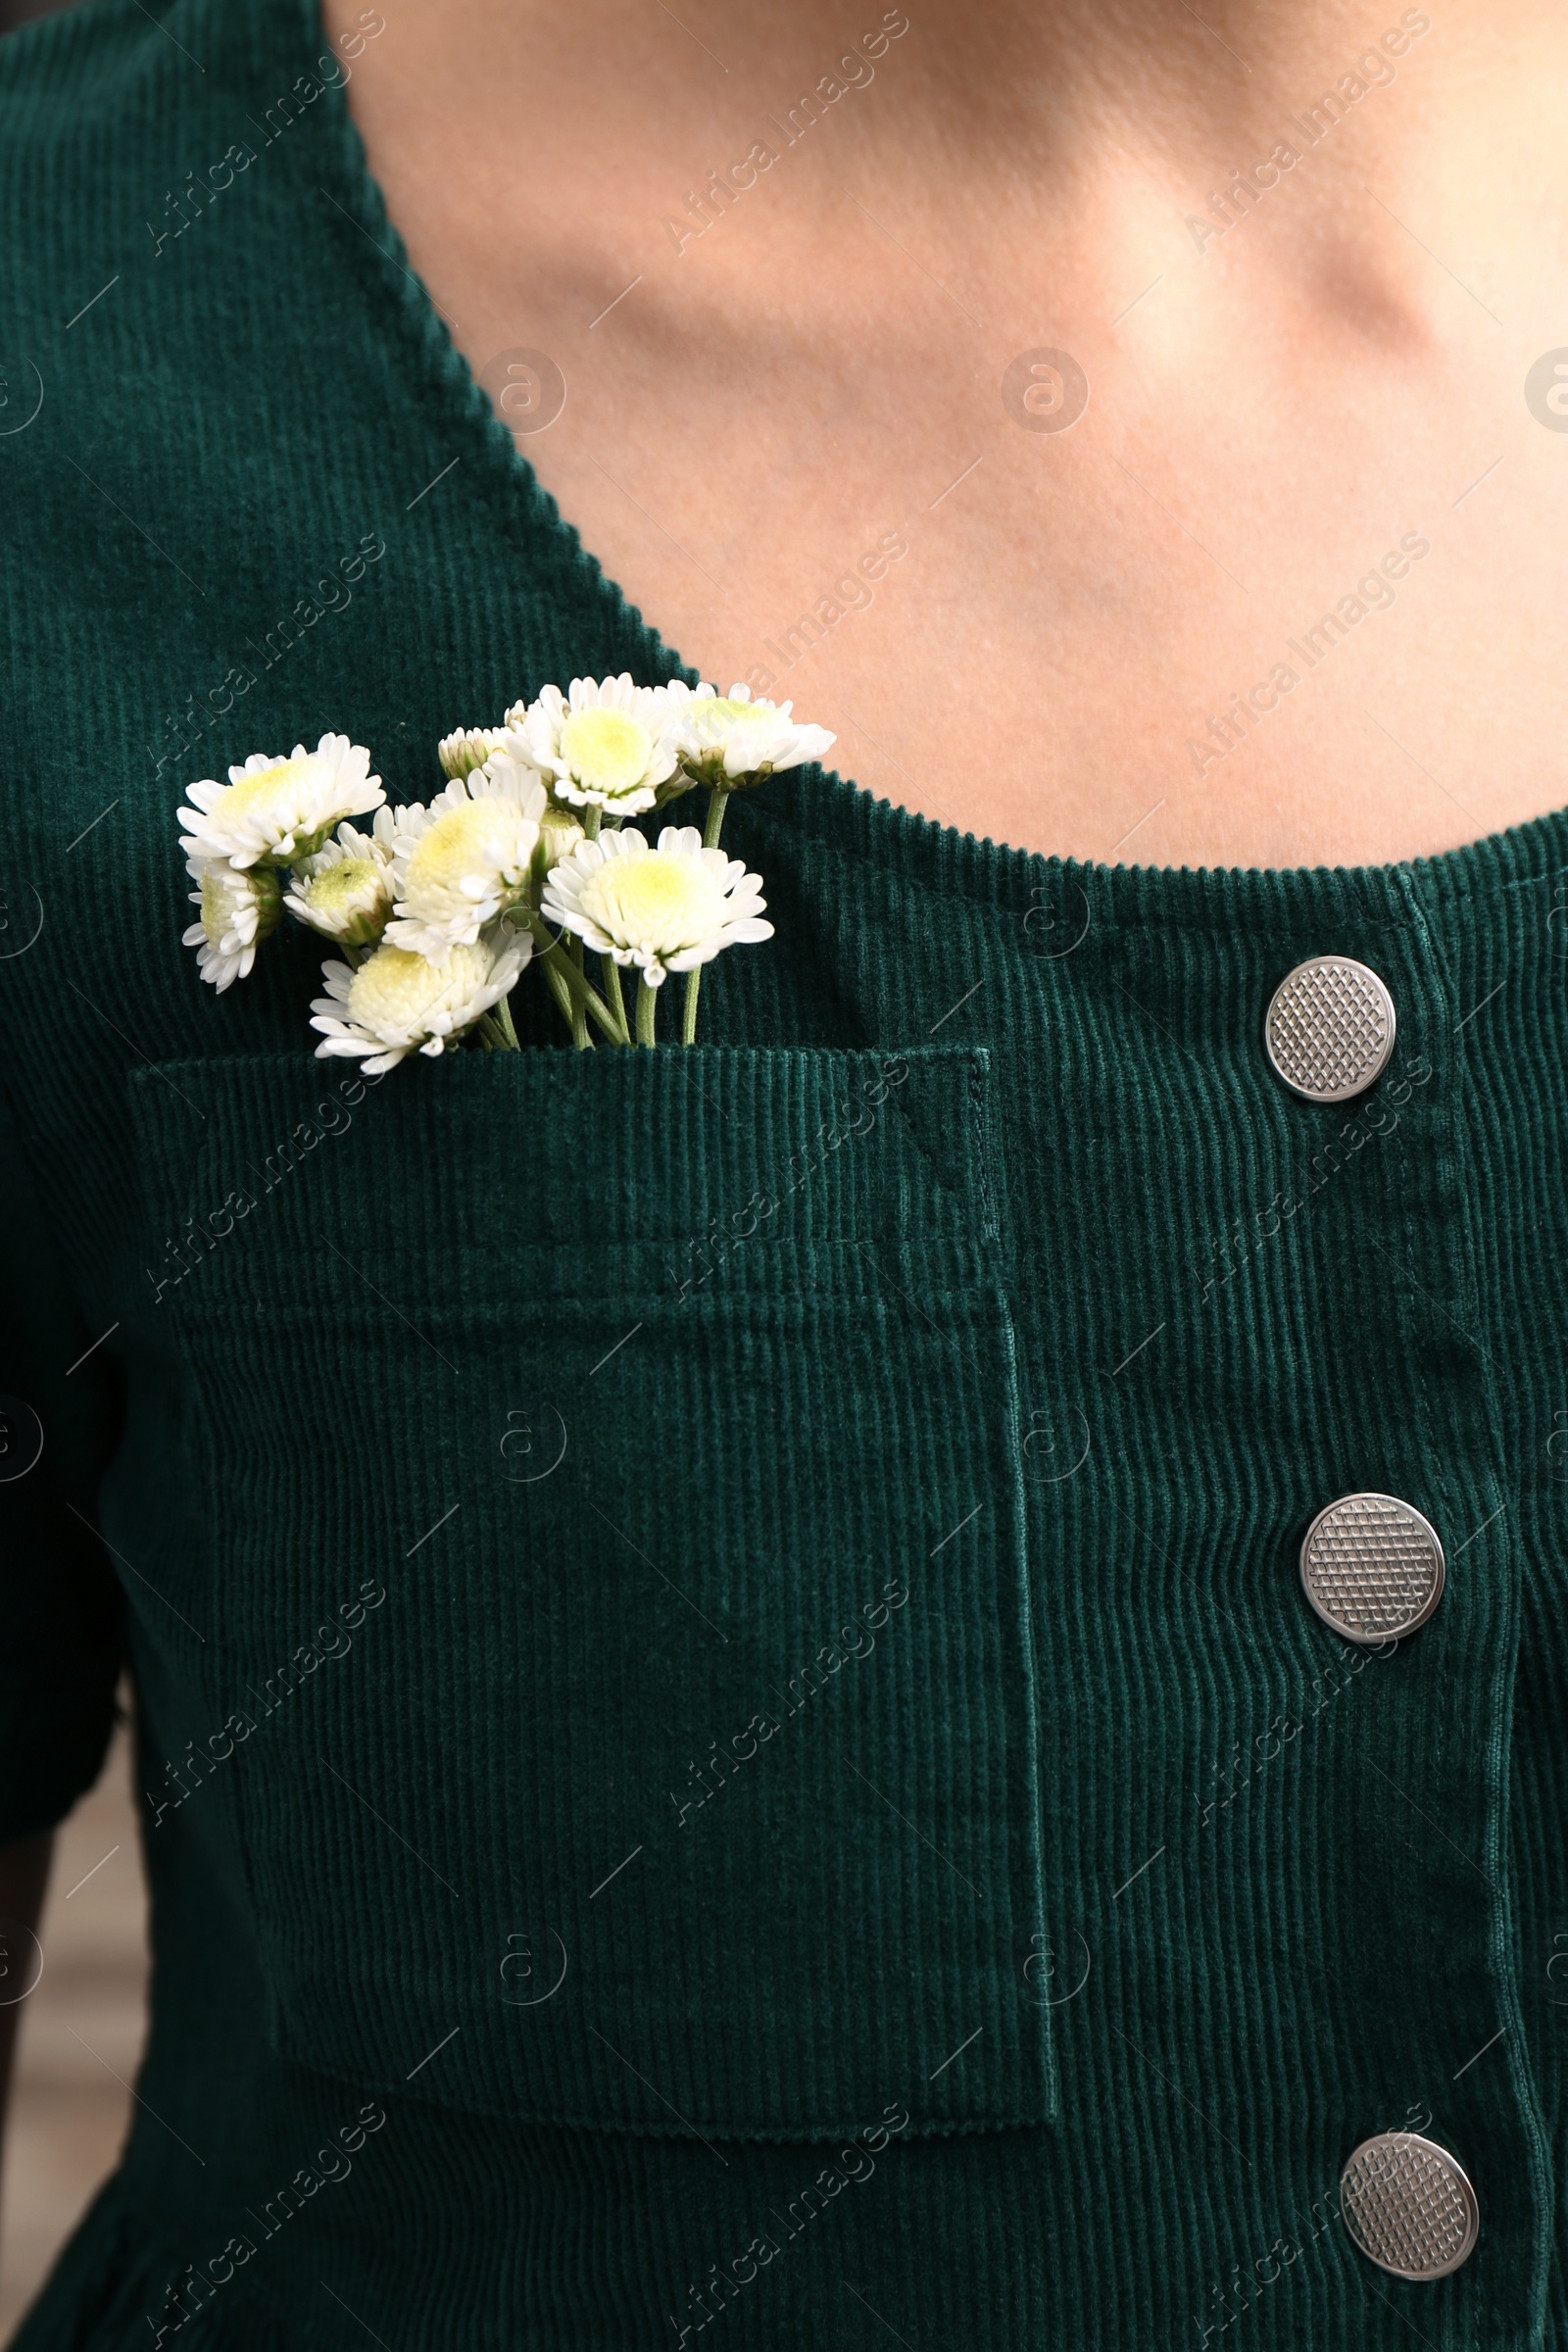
column 683, row 1775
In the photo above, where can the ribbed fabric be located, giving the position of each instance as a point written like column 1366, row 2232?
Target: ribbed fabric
column 730, row 1734
column 800, row 1629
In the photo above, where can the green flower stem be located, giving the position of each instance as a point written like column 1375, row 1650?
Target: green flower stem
column 500, row 1014
column 610, row 971
column 579, row 1010
column 647, row 1004
column 556, row 981
column 718, row 803
column 579, row 993
column 591, row 821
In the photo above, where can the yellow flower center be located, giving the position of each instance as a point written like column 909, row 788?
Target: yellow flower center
column 226, row 896
column 393, row 991
column 606, row 751
column 348, row 886
column 218, row 908
column 478, row 842
column 659, row 902
column 267, row 784
column 712, row 716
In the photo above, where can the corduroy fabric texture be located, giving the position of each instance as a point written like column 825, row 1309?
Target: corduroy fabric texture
column 732, row 1744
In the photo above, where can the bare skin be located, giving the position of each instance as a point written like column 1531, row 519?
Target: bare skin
column 24, row 1876
column 1271, row 410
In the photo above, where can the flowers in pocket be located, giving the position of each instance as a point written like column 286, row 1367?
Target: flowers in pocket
column 526, row 858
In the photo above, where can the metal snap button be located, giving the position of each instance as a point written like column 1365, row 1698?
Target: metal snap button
column 1409, row 2206
column 1372, row 1567
column 1330, row 1028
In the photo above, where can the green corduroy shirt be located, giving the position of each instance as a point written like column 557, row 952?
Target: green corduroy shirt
column 731, row 1740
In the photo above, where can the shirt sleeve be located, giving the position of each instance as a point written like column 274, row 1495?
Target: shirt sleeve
column 61, row 1617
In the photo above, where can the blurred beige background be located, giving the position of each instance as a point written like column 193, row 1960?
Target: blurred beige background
column 79, row 2036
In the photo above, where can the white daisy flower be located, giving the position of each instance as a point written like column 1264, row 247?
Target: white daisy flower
column 665, row 910
column 238, row 912
column 558, row 835
column 272, row 811
column 397, row 1002
column 604, row 744
column 469, row 748
column 733, row 740
column 466, row 859
column 345, row 891
column 560, row 830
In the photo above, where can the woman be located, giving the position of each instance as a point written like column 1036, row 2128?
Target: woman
column 897, row 1678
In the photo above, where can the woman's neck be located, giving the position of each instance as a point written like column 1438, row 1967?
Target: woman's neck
column 795, row 269
column 1065, row 88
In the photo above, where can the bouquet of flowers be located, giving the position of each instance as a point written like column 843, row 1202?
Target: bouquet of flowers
column 524, row 857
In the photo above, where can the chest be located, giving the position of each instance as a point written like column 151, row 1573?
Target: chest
column 1261, row 636
column 1233, row 575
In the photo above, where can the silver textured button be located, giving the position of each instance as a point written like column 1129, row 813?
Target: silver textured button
column 1372, row 1567
column 1409, row 2206
column 1330, row 1028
